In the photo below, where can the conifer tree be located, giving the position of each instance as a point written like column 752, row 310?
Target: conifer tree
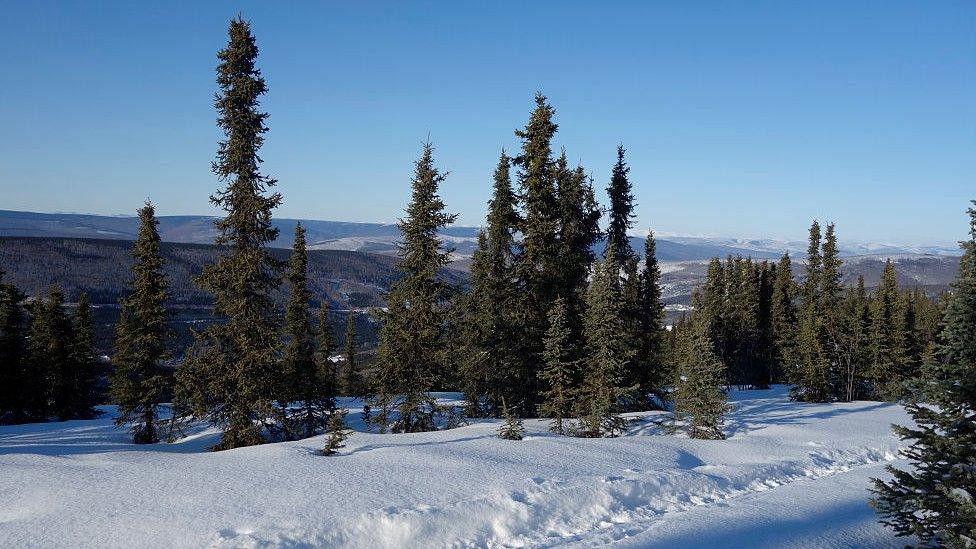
column 562, row 367
column 853, row 343
column 578, row 232
column 338, row 433
column 15, row 380
column 699, row 398
column 304, row 383
column 232, row 372
column 512, row 429
column 537, row 265
column 493, row 364
column 765, row 358
column 44, row 352
column 934, row 499
column 812, row 375
column 607, row 354
column 412, row 347
column 324, row 347
column 50, row 350
column 83, row 373
column 651, row 377
column 137, row 383
column 784, row 319
column 621, row 210
column 887, row 361
column 350, row 372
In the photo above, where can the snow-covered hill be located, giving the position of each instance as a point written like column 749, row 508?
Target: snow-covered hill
column 790, row 475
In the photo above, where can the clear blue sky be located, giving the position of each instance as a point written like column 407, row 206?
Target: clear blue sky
column 740, row 118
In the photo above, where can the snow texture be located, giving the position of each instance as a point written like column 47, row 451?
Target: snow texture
column 790, row 475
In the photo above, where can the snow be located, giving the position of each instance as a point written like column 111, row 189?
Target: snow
column 790, row 475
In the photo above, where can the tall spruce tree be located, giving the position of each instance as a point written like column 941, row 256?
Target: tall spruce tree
column 651, row 377
column 934, row 499
column 578, row 232
column 607, row 354
column 304, row 384
column 137, row 383
column 621, row 211
column 325, row 344
column 812, row 376
column 412, row 347
column 84, row 368
column 784, row 320
column 562, row 369
column 537, row 265
column 887, row 353
column 233, row 370
column 853, row 343
column 492, row 365
column 351, row 385
column 50, row 350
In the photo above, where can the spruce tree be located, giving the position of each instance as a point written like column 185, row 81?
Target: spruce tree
column 537, row 265
column 84, row 366
column 324, row 347
column 621, row 211
column 51, row 353
column 137, row 383
column 607, row 354
column 512, row 429
column 651, row 378
column 765, row 355
column 812, row 376
column 493, row 365
column 934, row 499
column 304, row 384
column 233, row 370
column 784, row 320
column 853, row 343
column 44, row 352
column 338, row 433
column 699, row 399
column 887, row 361
column 15, row 379
column 350, row 373
column 412, row 347
column 562, row 368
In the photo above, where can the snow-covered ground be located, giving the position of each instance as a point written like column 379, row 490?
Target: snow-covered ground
column 790, row 475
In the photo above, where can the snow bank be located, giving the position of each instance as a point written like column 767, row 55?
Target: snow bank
column 81, row 484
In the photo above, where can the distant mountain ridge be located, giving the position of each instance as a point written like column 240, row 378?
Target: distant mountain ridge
column 382, row 237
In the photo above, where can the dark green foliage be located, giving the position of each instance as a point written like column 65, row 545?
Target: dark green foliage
column 137, row 383
column 812, row 375
column 233, row 371
column 621, row 209
column 325, row 345
column 561, row 370
column 17, row 383
column 887, row 361
column 512, row 429
column 351, row 384
column 338, row 433
column 304, row 382
column 607, row 354
column 853, row 340
column 650, row 373
column 784, row 320
column 413, row 347
column 934, row 500
column 50, row 345
column 493, row 360
column 699, row 399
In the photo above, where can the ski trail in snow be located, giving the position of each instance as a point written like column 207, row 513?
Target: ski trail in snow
column 553, row 511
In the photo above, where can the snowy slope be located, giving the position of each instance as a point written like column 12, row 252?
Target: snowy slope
column 785, row 469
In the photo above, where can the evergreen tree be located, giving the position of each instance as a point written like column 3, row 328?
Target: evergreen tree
column 137, row 383
column 887, row 362
column 304, row 383
column 562, row 365
column 607, row 354
column 651, row 377
column 350, row 372
column 324, row 347
column 812, row 376
column 765, row 354
column 621, row 210
column 412, row 347
column 233, row 371
column 699, row 398
column 853, row 343
column 512, row 429
column 83, row 372
column 934, row 500
column 537, row 265
column 492, row 364
column 784, row 320
column 15, row 379
column 338, row 433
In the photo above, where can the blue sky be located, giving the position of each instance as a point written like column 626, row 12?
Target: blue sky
column 740, row 118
